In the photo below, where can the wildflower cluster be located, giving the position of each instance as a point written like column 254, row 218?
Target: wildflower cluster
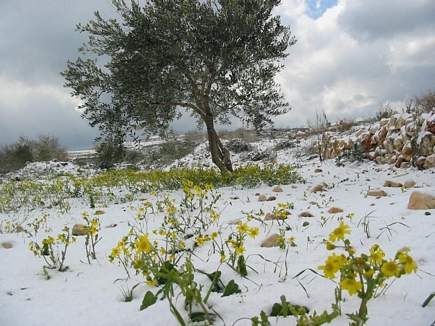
column 92, row 233
column 364, row 275
column 54, row 249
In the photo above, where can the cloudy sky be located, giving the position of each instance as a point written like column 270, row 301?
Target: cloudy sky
column 351, row 57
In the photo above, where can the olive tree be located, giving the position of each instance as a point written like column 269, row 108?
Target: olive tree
column 217, row 59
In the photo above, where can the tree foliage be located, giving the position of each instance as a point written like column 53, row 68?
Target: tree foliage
column 215, row 58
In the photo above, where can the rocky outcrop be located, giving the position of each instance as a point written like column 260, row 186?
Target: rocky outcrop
column 403, row 140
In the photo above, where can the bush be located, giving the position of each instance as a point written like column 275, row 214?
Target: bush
column 109, row 153
column 384, row 112
column 15, row 156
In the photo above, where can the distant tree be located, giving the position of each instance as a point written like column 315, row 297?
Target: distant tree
column 215, row 58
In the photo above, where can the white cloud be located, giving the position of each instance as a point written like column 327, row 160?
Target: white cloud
column 354, row 57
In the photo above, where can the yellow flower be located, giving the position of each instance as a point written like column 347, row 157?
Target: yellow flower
column 376, row 254
column 328, row 269
column 143, row 244
column 390, row 268
column 332, row 265
column 214, row 235
column 115, row 253
column 239, row 249
column 152, row 282
column 408, row 263
column 253, row 232
column 351, row 286
column 340, row 232
column 242, row 228
column 214, row 215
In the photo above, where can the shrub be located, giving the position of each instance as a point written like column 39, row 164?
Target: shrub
column 15, row 156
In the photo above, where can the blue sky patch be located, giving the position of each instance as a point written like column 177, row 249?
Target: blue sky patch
column 316, row 8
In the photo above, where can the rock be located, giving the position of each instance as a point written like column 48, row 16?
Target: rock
column 273, row 240
column 320, row 187
column 262, row 198
column 405, row 165
column 427, row 213
column 6, row 245
column 376, row 193
column 79, row 230
column 421, row 200
column 335, row 210
column 277, row 189
column 238, row 146
column 306, row 214
column 409, row 184
column 318, row 170
column 392, row 184
column 110, row 226
column 429, row 162
column 271, row 198
column 430, row 125
column 273, row 217
column 407, row 152
column 235, row 221
column 419, row 163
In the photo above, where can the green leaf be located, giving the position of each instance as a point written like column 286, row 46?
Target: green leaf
column 148, row 300
column 231, row 288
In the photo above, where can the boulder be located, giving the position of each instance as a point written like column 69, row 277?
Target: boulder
column 79, row 230
column 277, row 189
column 273, row 240
column 6, row 245
column 421, row 200
column 335, row 210
column 429, row 162
column 319, row 188
column 306, row 214
column 376, row 193
column 271, row 198
column 262, row 197
column 409, row 184
column 392, row 184
column 419, row 163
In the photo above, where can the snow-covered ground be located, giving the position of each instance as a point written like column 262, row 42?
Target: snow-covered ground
column 87, row 294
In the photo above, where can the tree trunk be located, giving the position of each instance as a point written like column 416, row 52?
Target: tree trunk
column 219, row 154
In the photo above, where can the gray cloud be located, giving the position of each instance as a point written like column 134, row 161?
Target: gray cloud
column 374, row 19
column 356, row 56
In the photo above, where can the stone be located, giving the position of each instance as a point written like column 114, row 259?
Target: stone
column 110, row 226
column 79, row 230
column 273, row 240
column 235, row 221
column 319, row 188
column 318, row 170
column 6, row 245
column 392, row 184
column 277, row 189
column 271, row 198
column 405, row 165
column 409, row 184
column 429, row 162
column 262, row 198
column 421, row 200
column 306, row 214
column 335, row 210
column 407, row 152
column 376, row 193
column 419, row 163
